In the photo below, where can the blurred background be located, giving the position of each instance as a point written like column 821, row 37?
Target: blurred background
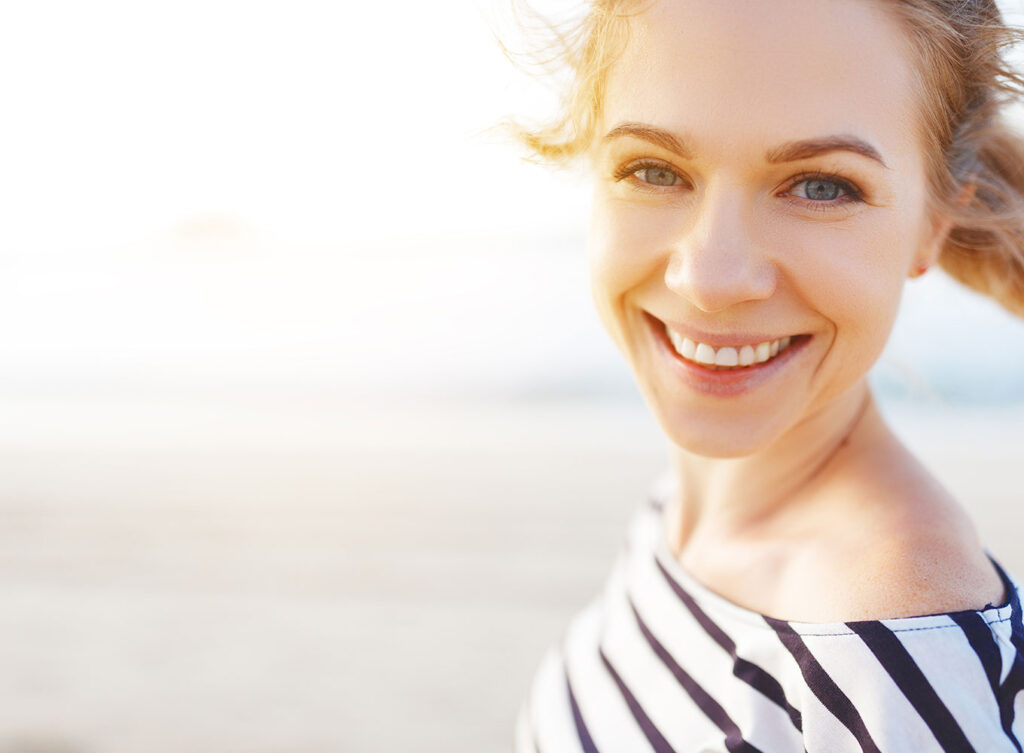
column 310, row 439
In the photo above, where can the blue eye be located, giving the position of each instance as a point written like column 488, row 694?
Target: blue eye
column 649, row 175
column 823, row 188
column 658, row 176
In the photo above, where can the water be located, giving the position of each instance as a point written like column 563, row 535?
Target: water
column 486, row 316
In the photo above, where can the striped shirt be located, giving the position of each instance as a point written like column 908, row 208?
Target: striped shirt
column 659, row 662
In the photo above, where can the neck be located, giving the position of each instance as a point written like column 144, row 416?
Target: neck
column 724, row 499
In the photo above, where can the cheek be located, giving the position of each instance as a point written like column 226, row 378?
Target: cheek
column 624, row 252
column 625, row 241
column 853, row 277
column 630, row 243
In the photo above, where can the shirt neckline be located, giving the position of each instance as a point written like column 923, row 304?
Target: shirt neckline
column 712, row 600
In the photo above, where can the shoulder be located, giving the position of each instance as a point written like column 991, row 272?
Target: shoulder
column 927, row 680
column 908, row 578
column 919, row 559
column 893, row 542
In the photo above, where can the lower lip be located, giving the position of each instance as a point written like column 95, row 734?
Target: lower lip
column 725, row 382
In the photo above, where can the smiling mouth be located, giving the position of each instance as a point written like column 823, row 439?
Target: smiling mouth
column 746, row 357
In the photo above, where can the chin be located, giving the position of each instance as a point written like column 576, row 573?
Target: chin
column 721, row 438
column 720, row 446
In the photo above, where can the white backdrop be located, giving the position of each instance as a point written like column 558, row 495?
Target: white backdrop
column 217, row 192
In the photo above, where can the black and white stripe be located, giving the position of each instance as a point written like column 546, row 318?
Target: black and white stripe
column 659, row 663
column 756, row 677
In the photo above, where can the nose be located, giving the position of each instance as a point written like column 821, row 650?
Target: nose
column 720, row 257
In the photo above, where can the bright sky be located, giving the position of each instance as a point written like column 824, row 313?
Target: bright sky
column 317, row 121
column 218, row 188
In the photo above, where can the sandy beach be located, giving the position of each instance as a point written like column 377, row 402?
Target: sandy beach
column 238, row 240
column 297, row 574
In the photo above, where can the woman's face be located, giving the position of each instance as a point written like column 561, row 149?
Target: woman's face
column 758, row 176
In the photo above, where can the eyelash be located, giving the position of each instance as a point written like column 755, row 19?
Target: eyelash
column 633, row 168
column 851, row 192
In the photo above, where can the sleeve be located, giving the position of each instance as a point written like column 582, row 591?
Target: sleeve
column 938, row 683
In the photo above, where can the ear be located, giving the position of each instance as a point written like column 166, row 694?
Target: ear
column 942, row 225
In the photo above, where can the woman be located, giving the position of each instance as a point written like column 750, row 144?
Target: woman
column 767, row 176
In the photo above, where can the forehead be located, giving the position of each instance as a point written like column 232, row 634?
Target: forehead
column 744, row 75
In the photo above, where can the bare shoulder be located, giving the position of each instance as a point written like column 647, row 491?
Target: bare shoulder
column 923, row 557
column 898, row 545
column 909, row 577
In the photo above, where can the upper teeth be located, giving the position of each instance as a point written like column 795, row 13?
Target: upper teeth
column 727, row 356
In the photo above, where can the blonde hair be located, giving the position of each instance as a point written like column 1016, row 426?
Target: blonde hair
column 965, row 79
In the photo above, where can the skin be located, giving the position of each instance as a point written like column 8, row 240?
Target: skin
column 785, row 484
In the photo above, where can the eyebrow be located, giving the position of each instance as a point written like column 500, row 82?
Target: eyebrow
column 658, row 136
column 791, row 151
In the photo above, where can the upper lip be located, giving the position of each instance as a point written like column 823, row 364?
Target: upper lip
column 719, row 340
